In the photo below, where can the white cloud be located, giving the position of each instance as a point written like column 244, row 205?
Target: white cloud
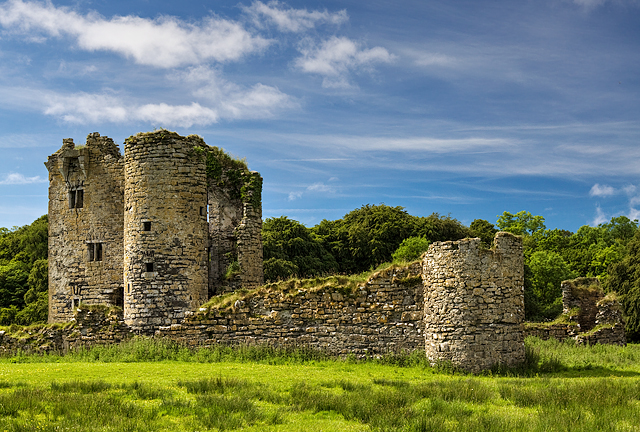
column 292, row 20
column 294, row 195
column 601, row 190
column 599, row 218
column 20, row 179
column 234, row 101
column 318, row 187
column 229, row 102
column 337, row 57
column 163, row 42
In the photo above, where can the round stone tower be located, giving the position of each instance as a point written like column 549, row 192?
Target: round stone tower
column 165, row 230
column 474, row 302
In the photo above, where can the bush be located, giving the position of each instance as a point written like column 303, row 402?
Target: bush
column 411, row 249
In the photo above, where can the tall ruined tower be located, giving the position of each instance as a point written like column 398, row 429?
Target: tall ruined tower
column 155, row 232
column 165, row 230
column 85, row 225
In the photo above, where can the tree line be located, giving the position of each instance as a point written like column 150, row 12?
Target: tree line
column 370, row 236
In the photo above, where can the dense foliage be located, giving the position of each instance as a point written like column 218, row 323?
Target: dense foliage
column 291, row 249
column 23, row 273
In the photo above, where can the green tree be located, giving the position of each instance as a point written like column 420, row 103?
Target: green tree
column 484, row 230
column 290, row 248
column 365, row 237
column 624, row 278
column 521, row 223
column 410, row 249
column 23, row 273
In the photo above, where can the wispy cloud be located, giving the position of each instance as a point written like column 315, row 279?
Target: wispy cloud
column 20, row 179
column 318, row 187
column 289, row 19
column 336, row 58
column 589, row 5
column 164, row 42
column 600, row 217
column 259, row 101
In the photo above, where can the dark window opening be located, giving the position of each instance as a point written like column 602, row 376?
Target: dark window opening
column 202, row 211
column 146, row 226
column 76, row 198
column 149, row 267
column 119, row 297
column 95, row 251
column 75, row 303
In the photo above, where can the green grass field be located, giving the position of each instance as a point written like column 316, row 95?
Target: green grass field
column 152, row 386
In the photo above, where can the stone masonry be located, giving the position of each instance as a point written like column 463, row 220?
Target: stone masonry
column 474, row 302
column 588, row 316
column 155, row 232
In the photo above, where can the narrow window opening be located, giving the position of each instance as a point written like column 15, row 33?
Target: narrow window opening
column 119, row 297
column 76, row 198
column 149, row 267
column 146, row 226
column 202, row 211
column 94, row 251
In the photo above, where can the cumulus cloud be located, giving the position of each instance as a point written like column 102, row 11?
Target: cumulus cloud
column 20, row 179
column 601, row 190
column 292, row 20
column 163, row 42
column 336, row 58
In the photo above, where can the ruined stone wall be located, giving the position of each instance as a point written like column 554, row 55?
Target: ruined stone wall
column 235, row 225
column 85, row 226
column 589, row 317
column 249, row 234
column 165, row 230
column 382, row 315
column 474, row 302
column 582, row 294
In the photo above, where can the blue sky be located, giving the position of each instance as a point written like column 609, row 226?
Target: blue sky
column 468, row 108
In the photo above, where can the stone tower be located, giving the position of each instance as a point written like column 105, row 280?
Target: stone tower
column 155, row 232
column 474, row 302
column 85, row 225
column 165, row 230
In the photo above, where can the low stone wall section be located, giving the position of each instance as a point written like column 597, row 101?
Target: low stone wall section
column 382, row 315
column 92, row 326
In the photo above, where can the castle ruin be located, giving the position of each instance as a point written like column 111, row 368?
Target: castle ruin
column 174, row 221
column 156, row 231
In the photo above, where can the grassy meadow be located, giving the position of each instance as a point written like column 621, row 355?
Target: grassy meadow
column 147, row 385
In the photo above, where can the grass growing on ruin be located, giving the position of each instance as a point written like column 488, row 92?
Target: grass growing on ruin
column 147, row 385
column 345, row 284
